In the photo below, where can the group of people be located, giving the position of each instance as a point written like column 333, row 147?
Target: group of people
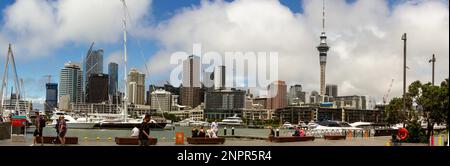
column 210, row 133
column 298, row 132
column 61, row 129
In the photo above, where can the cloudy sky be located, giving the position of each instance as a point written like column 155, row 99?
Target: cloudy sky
column 364, row 36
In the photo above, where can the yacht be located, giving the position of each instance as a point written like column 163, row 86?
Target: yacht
column 334, row 125
column 190, row 122
column 232, row 121
column 72, row 123
column 287, row 125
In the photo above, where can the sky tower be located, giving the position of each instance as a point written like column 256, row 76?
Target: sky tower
column 323, row 50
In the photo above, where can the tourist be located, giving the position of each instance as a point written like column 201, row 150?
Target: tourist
column 211, row 133
column 135, row 132
column 194, row 132
column 202, row 132
column 57, row 131
column 144, row 131
column 62, row 130
column 296, row 132
column 272, row 132
column 40, row 124
column 215, row 127
column 302, row 133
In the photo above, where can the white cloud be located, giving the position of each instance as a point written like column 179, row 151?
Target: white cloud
column 366, row 50
column 115, row 57
column 39, row 27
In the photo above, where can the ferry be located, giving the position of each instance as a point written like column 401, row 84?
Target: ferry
column 232, row 121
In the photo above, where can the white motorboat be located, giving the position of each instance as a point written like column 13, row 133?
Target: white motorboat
column 190, row 122
column 72, row 123
column 335, row 126
column 287, row 125
column 232, row 121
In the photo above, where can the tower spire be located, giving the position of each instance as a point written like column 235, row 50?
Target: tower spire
column 323, row 15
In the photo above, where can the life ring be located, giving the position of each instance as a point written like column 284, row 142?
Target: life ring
column 402, row 133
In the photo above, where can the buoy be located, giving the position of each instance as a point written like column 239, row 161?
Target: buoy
column 109, row 138
column 98, row 138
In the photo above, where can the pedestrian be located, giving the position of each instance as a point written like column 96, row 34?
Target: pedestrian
column 62, row 130
column 135, row 132
column 57, row 131
column 39, row 124
column 215, row 126
column 202, row 132
column 194, row 132
column 144, row 131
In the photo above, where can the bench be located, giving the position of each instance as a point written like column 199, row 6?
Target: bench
column 133, row 141
column 291, row 139
column 50, row 139
column 334, row 137
column 204, row 141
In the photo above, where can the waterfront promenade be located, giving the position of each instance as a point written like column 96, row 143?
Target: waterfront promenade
column 374, row 141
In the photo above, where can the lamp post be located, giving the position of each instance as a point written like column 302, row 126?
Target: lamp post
column 432, row 61
column 404, row 38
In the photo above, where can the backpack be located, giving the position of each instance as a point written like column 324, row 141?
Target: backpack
column 42, row 122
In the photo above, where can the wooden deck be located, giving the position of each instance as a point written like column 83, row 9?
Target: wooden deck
column 199, row 141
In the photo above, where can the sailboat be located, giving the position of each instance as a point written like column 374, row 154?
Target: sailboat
column 125, row 121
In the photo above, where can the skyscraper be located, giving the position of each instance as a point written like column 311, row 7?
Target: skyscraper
column 51, row 97
column 190, row 92
column 219, row 78
column 113, row 70
column 98, row 88
column 323, row 51
column 332, row 90
column 277, row 92
column 296, row 95
column 136, row 87
column 70, row 82
column 92, row 65
column 161, row 100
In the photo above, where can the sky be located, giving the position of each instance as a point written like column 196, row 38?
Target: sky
column 364, row 36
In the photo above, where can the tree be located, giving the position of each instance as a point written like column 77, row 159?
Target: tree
column 432, row 101
column 394, row 112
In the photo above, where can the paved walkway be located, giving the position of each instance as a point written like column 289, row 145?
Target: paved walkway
column 374, row 141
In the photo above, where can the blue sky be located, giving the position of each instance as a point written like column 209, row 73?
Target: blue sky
column 32, row 69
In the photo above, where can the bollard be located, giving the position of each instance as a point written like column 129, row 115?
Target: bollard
column 225, row 131
column 179, row 138
column 109, row 138
column 440, row 140
column 277, row 133
column 232, row 131
column 85, row 138
column 98, row 138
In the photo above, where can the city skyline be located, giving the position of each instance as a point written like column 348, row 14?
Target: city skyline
column 356, row 47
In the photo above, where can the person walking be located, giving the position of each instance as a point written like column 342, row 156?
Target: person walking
column 40, row 124
column 144, row 131
column 62, row 130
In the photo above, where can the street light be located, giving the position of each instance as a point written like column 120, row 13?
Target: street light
column 433, row 61
column 404, row 38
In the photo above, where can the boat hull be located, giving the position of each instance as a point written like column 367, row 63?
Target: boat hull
column 130, row 125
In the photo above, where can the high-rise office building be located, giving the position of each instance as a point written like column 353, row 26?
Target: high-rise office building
column 219, row 78
column 296, row 95
column 98, row 88
column 277, row 93
column 136, row 87
column 224, row 103
column 93, row 64
column 51, row 97
column 190, row 92
column 113, row 70
column 332, row 90
column 161, row 100
column 70, row 82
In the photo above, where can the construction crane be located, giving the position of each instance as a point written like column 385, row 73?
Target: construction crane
column 49, row 78
column 385, row 97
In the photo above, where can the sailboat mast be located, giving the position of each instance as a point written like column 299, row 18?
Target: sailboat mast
column 125, row 60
